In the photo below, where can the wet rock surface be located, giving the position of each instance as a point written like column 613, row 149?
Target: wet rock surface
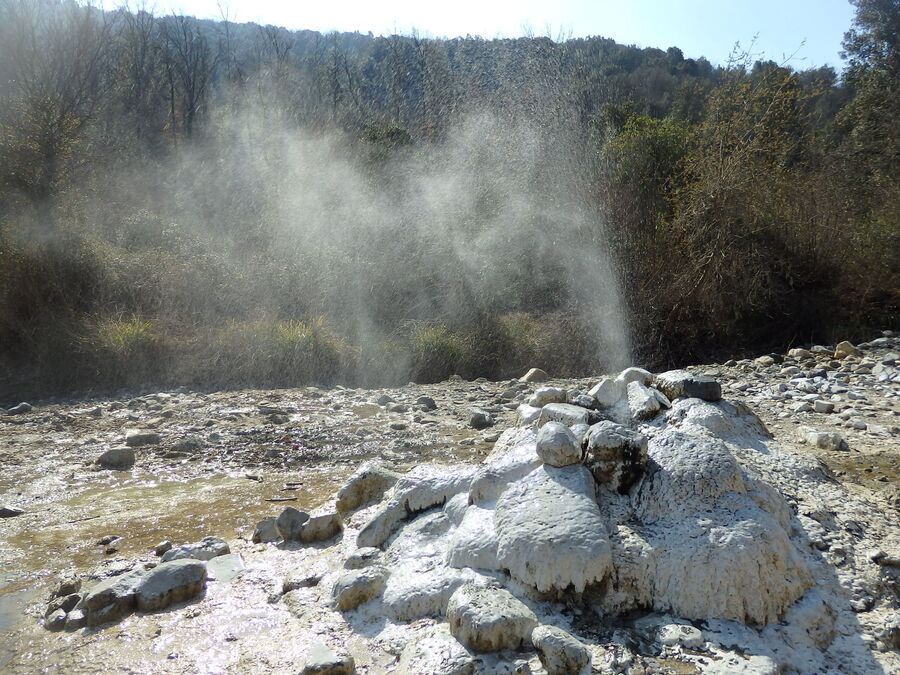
column 720, row 503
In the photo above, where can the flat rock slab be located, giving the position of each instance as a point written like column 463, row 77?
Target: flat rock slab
column 474, row 542
column 565, row 413
column 205, row 549
column 225, row 567
column 489, row 619
column 550, row 533
column 437, row 651
column 325, row 661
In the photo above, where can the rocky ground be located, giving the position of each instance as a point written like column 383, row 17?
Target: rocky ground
column 180, row 466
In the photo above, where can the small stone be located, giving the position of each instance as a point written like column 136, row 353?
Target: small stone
column 354, row 588
column 205, row 549
column 136, row 438
column 107, row 539
column 480, row 419
column 20, row 409
column 66, row 604
column 76, row 619
column 383, row 400
column 162, row 548
column 534, row 375
column 489, row 619
column 557, row 446
column 827, row 440
column 56, row 621
column 824, row 407
column 559, row 652
column 297, row 580
column 797, row 353
column 265, row 531
column 426, row 402
column 764, row 361
column 67, row 586
column 10, row 512
column 545, row 395
column 323, row 661
column 362, row 557
column 845, row 349
column 117, row 459
column 290, row 523
column 678, row 634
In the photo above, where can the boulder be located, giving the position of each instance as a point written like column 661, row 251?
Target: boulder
column 265, row 531
column 170, row 582
column 634, row 374
column 545, row 395
column 367, row 484
column 322, row 660
column 56, row 621
column 118, row 459
column 567, row 414
column 764, row 361
column 321, row 527
column 557, row 446
column 528, row 414
column 642, row 402
column 615, row 455
column 426, row 402
column 354, row 588
column 487, row 619
column 20, row 409
column 205, row 549
column 550, row 533
column 112, row 598
column 290, row 523
column 424, row 487
column 607, row 392
column 534, row 375
column 683, row 384
column 800, row 354
column 559, row 652
column 413, row 593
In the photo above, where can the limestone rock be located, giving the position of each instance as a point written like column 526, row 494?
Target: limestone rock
column 550, row 532
column 560, row 653
column 528, row 414
column 607, row 392
column 170, row 582
column 683, row 384
column 367, row 484
column 798, row 353
column 412, row 593
column 324, row 661
column 300, row 579
column 503, row 466
column 642, row 402
column 205, row 549
column 615, row 455
column 119, row 459
column 545, row 395
column 672, row 634
column 362, row 557
column 556, row 445
column 354, row 588
column 534, row 375
column 422, row 488
column 436, row 651
column 290, row 523
column 489, row 619
column 474, row 542
column 564, row 413
column 265, row 531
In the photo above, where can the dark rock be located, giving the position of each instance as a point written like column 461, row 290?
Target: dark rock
column 20, row 409
column 10, row 512
column 170, row 582
column 290, row 523
column 266, row 531
column 426, row 402
column 683, row 384
column 117, row 459
column 480, row 419
column 615, row 455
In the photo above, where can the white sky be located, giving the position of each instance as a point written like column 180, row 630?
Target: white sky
column 699, row 27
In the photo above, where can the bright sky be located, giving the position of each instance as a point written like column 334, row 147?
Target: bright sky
column 811, row 28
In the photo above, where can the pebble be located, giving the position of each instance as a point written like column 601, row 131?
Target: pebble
column 10, row 512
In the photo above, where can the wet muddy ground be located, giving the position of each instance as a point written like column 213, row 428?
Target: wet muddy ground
column 225, row 460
